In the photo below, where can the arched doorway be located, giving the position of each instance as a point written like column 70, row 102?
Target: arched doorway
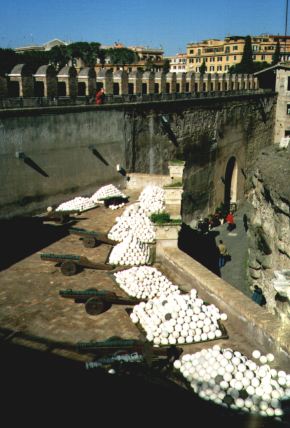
column 116, row 88
column 81, row 89
column 231, row 182
column 13, row 89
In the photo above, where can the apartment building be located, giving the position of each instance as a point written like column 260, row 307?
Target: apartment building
column 220, row 55
column 177, row 63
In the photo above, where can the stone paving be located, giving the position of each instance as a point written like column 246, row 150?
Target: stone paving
column 34, row 317
column 30, row 304
column 234, row 271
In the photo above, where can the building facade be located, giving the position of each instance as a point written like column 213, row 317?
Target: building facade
column 45, row 47
column 220, row 55
column 177, row 63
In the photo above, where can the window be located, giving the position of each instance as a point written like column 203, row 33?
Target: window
column 227, row 49
column 219, row 68
column 212, row 59
column 227, row 58
column 227, row 67
column 191, row 60
column 235, row 48
column 198, row 51
column 262, row 57
column 211, row 68
column 288, row 108
column 254, row 57
column 219, row 58
column 235, row 57
column 255, row 48
column 288, row 86
column 191, row 51
column 197, row 69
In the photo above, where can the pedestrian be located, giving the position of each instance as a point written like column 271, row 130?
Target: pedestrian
column 245, row 221
column 231, row 221
column 100, row 96
column 223, row 253
column 258, row 296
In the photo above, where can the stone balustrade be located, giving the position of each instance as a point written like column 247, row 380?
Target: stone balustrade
column 45, row 82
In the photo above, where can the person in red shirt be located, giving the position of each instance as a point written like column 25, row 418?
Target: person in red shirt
column 100, row 95
column 231, row 221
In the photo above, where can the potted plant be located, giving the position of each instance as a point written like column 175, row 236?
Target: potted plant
column 166, row 228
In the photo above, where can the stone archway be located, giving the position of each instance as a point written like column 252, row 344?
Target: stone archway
column 231, row 182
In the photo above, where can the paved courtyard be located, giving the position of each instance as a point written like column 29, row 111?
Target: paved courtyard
column 36, row 322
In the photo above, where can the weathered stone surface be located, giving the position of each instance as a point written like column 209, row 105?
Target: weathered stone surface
column 268, row 191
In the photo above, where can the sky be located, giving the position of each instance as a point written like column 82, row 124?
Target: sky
column 153, row 23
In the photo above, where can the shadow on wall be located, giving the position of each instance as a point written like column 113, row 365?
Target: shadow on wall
column 201, row 247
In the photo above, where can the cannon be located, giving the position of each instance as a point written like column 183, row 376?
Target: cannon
column 70, row 264
column 60, row 217
column 97, row 301
column 91, row 238
column 117, row 345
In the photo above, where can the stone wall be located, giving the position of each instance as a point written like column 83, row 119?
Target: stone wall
column 143, row 138
column 206, row 133
column 66, row 153
column 268, row 192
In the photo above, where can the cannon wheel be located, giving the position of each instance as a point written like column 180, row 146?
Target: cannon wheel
column 68, row 268
column 89, row 242
column 96, row 306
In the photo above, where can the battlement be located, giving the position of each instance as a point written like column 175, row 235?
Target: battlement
column 47, row 83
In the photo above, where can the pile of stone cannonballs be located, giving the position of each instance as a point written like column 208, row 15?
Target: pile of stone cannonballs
column 229, row 378
column 133, row 220
column 178, row 319
column 145, row 282
column 77, row 204
column 108, row 191
column 131, row 251
column 152, row 199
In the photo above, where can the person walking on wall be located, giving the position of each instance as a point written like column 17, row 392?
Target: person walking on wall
column 231, row 221
column 223, row 252
column 100, row 96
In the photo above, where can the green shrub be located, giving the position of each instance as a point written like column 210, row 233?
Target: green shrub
column 176, row 162
column 177, row 184
column 162, row 218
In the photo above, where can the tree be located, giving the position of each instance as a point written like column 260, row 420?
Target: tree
column 102, row 56
column 87, row 52
column 277, row 54
column 257, row 66
column 59, row 56
column 202, row 69
column 166, row 66
column 121, row 56
column 8, row 59
column 33, row 59
column 247, row 63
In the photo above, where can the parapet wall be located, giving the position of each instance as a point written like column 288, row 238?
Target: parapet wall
column 253, row 321
column 46, row 82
